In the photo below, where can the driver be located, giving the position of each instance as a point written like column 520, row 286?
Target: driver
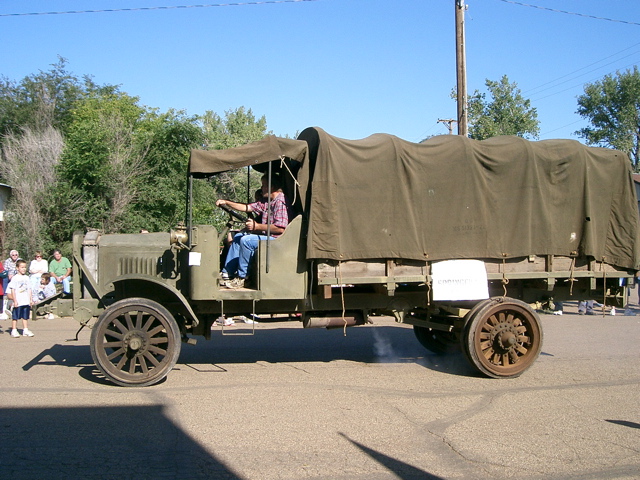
column 245, row 243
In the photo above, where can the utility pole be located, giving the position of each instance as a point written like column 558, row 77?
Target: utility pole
column 449, row 123
column 461, row 69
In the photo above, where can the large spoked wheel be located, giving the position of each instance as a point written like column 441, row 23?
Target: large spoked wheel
column 502, row 338
column 135, row 342
column 437, row 341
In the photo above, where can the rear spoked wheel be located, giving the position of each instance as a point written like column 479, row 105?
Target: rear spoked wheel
column 502, row 338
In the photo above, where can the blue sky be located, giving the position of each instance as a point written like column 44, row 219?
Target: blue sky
column 352, row 67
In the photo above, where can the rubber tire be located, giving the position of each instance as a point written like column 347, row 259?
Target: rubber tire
column 152, row 325
column 479, row 325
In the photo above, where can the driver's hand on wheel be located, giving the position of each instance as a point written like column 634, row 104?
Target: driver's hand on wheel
column 251, row 225
column 220, row 202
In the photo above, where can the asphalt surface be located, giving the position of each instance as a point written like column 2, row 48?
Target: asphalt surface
column 288, row 403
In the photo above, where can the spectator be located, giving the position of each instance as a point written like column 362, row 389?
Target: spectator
column 45, row 289
column 19, row 292
column 10, row 266
column 60, row 270
column 3, row 275
column 586, row 307
column 37, row 267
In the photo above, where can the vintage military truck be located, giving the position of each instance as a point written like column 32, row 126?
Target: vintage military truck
column 456, row 237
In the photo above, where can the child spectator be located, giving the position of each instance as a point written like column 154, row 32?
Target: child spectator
column 19, row 291
column 44, row 289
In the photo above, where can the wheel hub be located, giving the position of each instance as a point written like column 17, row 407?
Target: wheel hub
column 135, row 341
column 504, row 337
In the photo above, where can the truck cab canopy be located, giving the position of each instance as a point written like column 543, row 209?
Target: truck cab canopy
column 204, row 163
column 451, row 197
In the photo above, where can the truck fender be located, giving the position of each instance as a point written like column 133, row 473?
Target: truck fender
column 137, row 279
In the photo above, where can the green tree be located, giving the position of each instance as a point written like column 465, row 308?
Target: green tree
column 238, row 127
column 506, row 112
column 82, row 156
column 45, row 99
column 103, row 158
column 29, row 161
column 33, row 113
column 129, row 163
column 161, row 202
column 612, row 106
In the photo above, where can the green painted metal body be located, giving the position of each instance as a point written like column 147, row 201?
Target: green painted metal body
column 108, row 268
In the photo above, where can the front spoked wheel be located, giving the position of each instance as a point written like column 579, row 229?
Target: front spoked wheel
column 135, row 342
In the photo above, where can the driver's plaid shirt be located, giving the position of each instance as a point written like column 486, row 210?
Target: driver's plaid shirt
column 279, row 212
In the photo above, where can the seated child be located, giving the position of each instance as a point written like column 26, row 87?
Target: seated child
column 44, row 290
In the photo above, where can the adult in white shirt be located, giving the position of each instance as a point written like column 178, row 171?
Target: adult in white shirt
column 37, row 267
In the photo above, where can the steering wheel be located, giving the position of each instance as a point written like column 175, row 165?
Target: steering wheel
column 232, row 213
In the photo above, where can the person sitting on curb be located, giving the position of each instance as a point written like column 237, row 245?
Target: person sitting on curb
column 585, row 307
column 60, row 270
column 37, row 267
column 45, row 288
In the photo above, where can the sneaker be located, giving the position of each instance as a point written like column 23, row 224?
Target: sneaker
column 15, row 334
column 224, row 276
column 226, row 322
column 235, row 283
column 4, row 316
column 50, row 316
column 26, row 333
column 244, row 319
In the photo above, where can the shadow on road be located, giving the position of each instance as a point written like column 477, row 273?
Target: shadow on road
column 402, row 470
column 287, row 344
column 369, row 344
column 625, row 423
column 101, row 442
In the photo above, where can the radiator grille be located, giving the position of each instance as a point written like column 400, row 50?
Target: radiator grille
column 137, row 264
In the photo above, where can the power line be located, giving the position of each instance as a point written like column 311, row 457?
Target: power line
column 578, row 85
column 568, row 13
column 531, row 90
column 541, row 90
column 155, row 8
column 561, row 128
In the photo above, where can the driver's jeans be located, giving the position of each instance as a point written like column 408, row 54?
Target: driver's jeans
column 240, row 253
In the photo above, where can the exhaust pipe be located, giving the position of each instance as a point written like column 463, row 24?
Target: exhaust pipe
column 334, row 320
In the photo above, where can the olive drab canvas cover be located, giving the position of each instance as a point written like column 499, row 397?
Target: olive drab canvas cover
column 270, row 148
column 451, row 197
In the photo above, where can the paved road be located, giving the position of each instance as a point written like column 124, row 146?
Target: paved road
column 295, row 404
